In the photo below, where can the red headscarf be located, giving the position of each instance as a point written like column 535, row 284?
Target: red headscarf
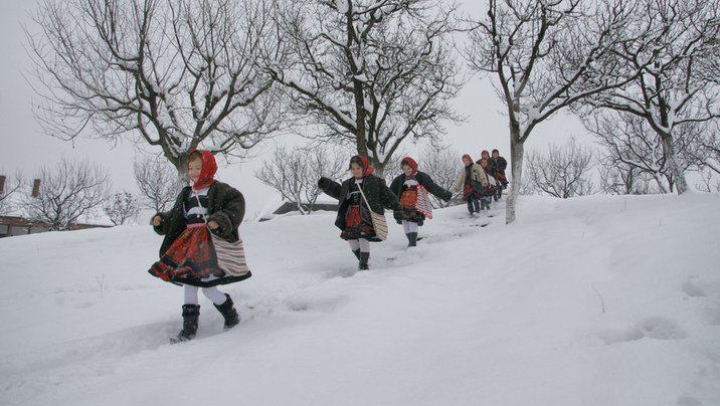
column 209, row 168
column 411, row 163
column 363, row 162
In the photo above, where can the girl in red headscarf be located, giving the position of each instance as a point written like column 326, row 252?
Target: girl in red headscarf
column 187, row 254
column 353, row 215
column 412, row 188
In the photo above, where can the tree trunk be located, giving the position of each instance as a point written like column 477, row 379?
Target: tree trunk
column 675, row 169
column 516, row 151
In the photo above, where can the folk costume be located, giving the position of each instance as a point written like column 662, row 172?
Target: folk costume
column 187, row 254
column 413, row 192
column 472, row 181
column 354, row 219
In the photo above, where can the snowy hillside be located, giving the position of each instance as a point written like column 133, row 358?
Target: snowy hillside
column 596, row 301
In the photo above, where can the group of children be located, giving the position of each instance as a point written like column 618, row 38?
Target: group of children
column 483, row 181
column 210, row 209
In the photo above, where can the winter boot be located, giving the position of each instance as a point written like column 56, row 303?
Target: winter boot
column 412, row 239
column 477, row 206
column 227, row 309
column 364, row 258
column 190, row 315
column 357, row 253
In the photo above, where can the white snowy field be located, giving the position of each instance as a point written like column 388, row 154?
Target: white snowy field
column 594, row 301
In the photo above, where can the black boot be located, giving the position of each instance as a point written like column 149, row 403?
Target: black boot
column 227, row 309
column 357, row 253
column 190, row 315
column 364, row 258
column 412, row 239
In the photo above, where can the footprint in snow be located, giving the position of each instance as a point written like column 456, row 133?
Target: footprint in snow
column 656, row 328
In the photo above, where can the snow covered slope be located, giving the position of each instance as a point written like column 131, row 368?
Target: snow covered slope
column 593, row 301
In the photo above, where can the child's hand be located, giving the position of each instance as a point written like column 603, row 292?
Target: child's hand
column 156, row 220
column 213, row 225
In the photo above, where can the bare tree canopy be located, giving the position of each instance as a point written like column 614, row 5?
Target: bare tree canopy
column 68, row 191
column 372, row 72
column 545, row 56
column 123, row 208
column 9, row 185
column 295, row 173
column 670, row 44
column 441, row 164
column 158, row 182
column 632, row 147
column 178, row 74
column 563, row 172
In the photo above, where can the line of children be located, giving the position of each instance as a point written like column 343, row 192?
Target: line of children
column 188, row 257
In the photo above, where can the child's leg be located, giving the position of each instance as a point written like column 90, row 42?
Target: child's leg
column 224, row 304
column 364, row 253
column 191, row 295
column 470, row 205
column 355, row 247
column 214, row 295
column 411, row 231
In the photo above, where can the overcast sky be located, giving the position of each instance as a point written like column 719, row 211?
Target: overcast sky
column 23, row 146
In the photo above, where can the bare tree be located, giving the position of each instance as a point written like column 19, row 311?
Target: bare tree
column 546, row 56
column 158, row 182
column 177, row 74
column 8, row 187
column 709, row 181
column 373, row 73
column 68, row 191
column 295, row 173
column 669, row 44
column 634, row 149
column 123, row 208
column 619, row 178
column 441, row 164
column 564, row 171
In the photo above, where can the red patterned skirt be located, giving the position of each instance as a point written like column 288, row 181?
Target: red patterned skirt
column 356, row 225
column 189, row 259
column 409, row 203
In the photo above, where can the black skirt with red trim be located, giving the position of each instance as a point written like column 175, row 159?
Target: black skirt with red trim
column 357, row 226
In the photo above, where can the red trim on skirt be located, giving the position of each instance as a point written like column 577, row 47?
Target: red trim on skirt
column 190, row 257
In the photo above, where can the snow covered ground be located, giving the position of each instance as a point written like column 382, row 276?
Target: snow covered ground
column 592, row 301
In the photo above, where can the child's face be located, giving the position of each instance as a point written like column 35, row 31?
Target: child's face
column 483, row 162
column 194, row 169
column 466, row 161
column 356, row 170
column 407, row 170
column 485, row 155
column 496, row 154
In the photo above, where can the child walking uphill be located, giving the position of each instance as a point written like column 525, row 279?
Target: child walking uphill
column 188, row 256
column 473, row 181
column 412, row 188
column 353, row 212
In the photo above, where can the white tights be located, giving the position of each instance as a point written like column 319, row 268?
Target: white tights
column 409, row 227
column 362, row 244
column 212, row 293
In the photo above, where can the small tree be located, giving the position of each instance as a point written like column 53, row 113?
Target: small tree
column 295, row 173
column 8, row 187
column 443, row 166
column 123, row 208
column 635, row 151
column 158, row 182
column 564, row 171
column 68, row 191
